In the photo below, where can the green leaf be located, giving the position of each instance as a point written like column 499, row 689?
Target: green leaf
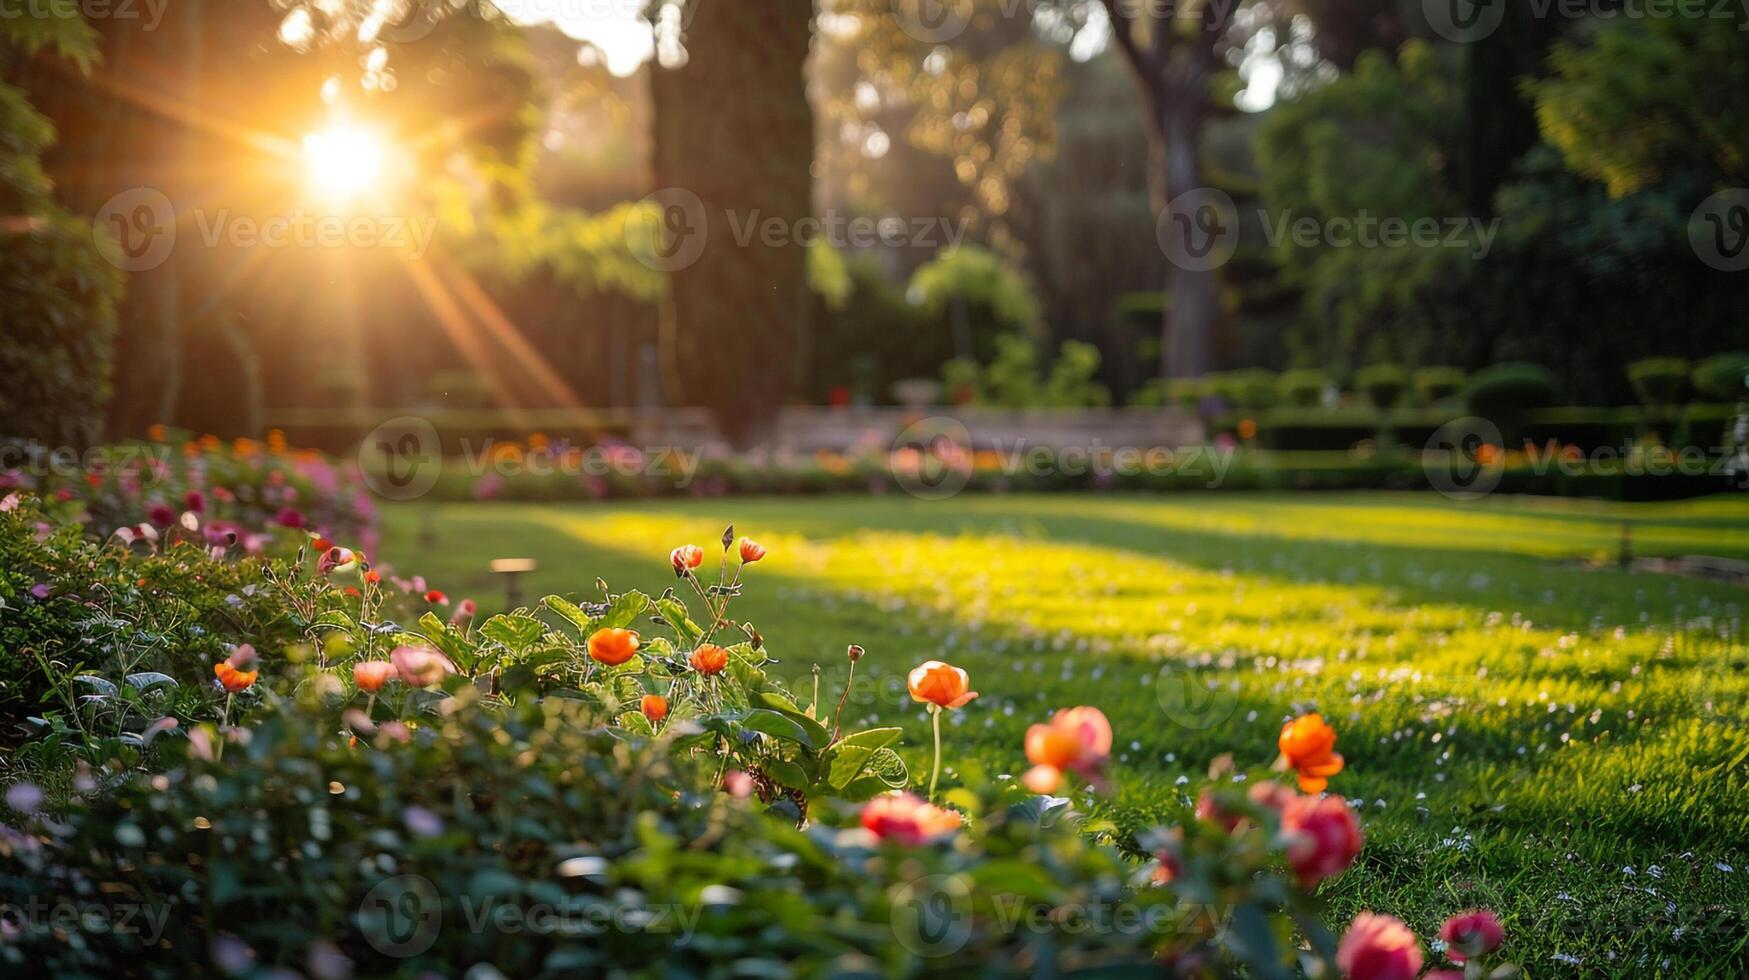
column 626, row 609
column 517, row 632
column 448, row 641
column 778, row 724
column 571, row 612
column 774, row 701
column 787, row 773
column 850, row 757
column 675, row 612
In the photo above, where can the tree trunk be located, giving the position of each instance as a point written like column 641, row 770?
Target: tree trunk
column 735, row 137
column 1191, row 307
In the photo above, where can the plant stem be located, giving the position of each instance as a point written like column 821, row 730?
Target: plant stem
column 839, row 714
column 935, row 773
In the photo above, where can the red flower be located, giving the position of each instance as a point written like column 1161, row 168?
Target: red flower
column 751, row 551
column 195, row 501
column 685, row 557
column 1378, row 947
column 654, row 707
column 1324, row 837
column 907, row 820
column 290, row 517
column 1473, row 933
column 160, row 515
column 436, row 598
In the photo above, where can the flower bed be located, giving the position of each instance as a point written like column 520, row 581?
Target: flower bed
column 366, row 785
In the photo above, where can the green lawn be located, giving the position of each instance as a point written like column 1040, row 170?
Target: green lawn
column 1564, row 743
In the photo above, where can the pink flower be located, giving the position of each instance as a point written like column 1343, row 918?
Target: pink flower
column 194, row 501
column 290, row 517
column 907, row 819
column 1379, row 947
column 243, row 657
column 337, row 559
column 738, row 784
column 160, row 515
column 1323, row 837
column 464, row 613
column 1471, row 933
column 420, row 666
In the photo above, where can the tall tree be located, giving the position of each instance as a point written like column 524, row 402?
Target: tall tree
column 733, row 149
column 1175, row 53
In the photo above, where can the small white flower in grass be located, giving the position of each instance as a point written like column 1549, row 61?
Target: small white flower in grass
column 24, row 797
column 422, row 822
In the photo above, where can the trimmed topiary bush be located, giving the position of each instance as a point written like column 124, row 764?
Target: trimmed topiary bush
column 1502, row 394
column 1660, row 382
column 1250, row 390
column 1382, row 384
column 1438, row 384
column 1303, row 388
column 1723, row 376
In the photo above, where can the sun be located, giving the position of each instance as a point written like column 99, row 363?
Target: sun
column 343, row 160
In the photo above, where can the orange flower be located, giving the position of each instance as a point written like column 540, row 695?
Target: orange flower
column 1076, row 740
column 232, row 679
column 685, row 557
column 907, row 820
column 751, row 551
column 1308, row 744
column 710, row 659
column 940, row 684
column 613, row 646
column 654, row 707
column 371, row 675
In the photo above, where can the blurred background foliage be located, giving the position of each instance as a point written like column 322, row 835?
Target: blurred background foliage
column 1022, row 157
